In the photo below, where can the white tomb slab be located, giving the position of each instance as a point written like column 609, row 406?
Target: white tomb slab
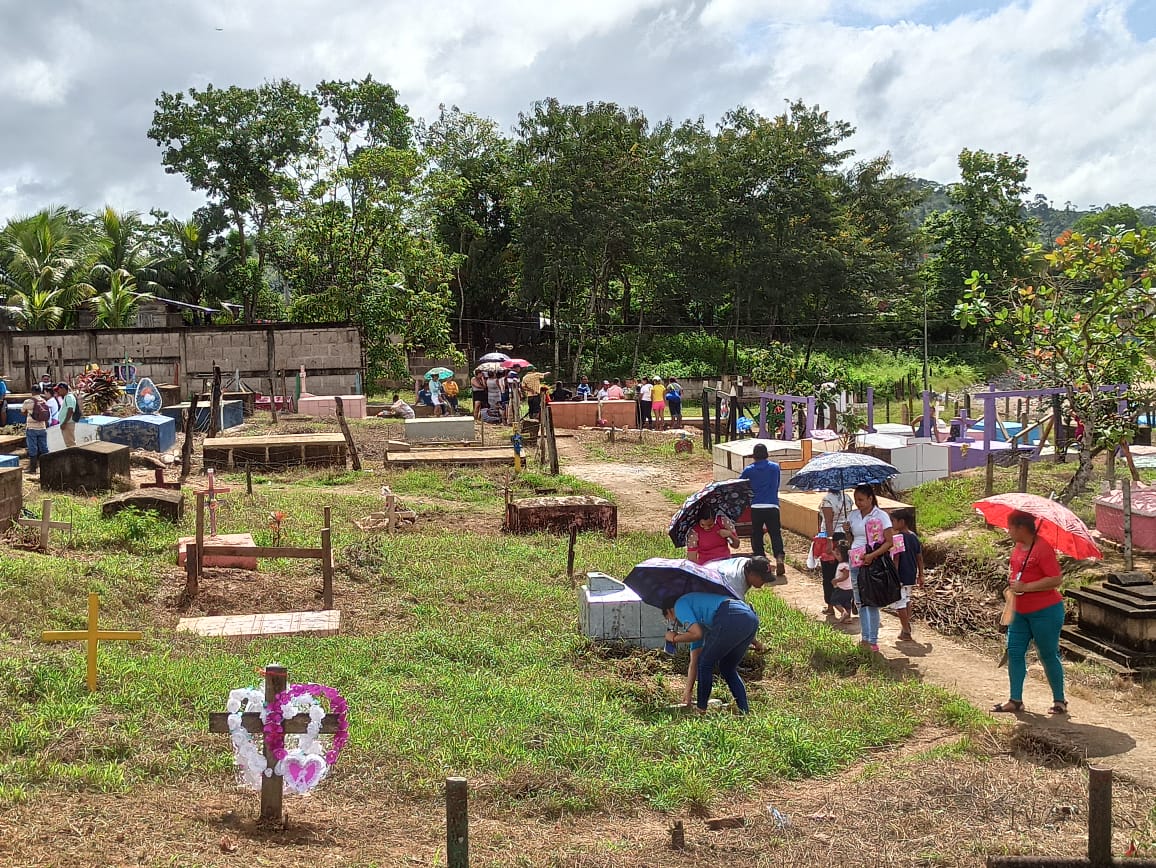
column 610, row 611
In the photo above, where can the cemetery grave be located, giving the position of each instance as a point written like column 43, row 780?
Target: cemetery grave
column 453, row 605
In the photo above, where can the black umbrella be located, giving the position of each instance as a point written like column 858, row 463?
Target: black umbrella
column 661, row 581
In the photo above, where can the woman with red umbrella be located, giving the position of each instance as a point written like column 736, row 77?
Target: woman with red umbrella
column 1039, row 613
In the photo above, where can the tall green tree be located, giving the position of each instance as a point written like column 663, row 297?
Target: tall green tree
column 987, row 230
column 1085, row 322
column 245, row 148
column 470, row 197
column 585, row 177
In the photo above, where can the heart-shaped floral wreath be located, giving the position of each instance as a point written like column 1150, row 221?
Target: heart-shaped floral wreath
column 304, row 766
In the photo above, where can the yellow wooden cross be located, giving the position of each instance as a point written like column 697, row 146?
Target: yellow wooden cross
column 91, row 635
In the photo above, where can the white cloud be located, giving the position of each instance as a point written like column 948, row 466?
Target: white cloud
column 1065, row 83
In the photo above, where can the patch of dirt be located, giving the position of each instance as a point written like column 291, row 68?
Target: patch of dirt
column 903, row 806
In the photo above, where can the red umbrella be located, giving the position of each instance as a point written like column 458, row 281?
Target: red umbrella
column 515, row 363
column 1055, row 522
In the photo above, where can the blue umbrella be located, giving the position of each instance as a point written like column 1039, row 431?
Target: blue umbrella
column 729, row 497
column 836, row 471
column 661, row 581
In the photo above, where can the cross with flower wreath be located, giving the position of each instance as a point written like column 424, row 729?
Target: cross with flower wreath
column 272, row 785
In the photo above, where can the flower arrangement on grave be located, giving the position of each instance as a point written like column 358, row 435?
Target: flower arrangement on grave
column 301, row 765
column 98, row 391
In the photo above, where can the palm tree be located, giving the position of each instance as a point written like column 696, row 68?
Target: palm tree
column 120, row 241
column 41, row 257
column 191, row 267
column 116, row 306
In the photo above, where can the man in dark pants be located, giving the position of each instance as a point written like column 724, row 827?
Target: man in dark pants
column 764, row 476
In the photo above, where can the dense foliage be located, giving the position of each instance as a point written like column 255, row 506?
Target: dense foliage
column 608, row 240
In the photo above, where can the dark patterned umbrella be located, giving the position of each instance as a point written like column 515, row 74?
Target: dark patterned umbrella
column 836, row 471
column 661, row 581
column 730, row 497
column 493, row 357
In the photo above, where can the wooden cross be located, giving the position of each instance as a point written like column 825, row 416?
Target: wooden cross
column 91, row 635
column 272, row 786
column 209, row 493
column 45, row 524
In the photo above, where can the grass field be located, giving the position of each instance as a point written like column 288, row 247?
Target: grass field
column 467, row 660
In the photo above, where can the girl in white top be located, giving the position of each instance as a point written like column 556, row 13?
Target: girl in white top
column 868, row 525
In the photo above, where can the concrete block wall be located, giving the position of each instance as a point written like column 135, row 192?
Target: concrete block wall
column 331, row 354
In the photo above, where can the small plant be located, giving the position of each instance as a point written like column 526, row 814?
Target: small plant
column 276, row 519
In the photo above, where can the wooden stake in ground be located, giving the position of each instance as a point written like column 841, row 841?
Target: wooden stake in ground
column 272, row 786
column 1126, row 491
column 190, row 432
column 91, row 635
column 45, row 524
column 344, row 425
column 273, row 399
column 457, row 823
column 1025, row 468
column 327, row 559
column 215, row 403
column 570, row 552
column 989, row 478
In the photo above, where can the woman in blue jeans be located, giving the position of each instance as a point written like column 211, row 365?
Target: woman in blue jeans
column 719, row 630
column 871, row 532
column 1039, row 613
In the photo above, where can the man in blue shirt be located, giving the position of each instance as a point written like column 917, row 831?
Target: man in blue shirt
column 582, row 393
column 719, row 630
column 764, row 476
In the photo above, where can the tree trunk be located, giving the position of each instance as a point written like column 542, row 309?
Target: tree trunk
column 1079, row 482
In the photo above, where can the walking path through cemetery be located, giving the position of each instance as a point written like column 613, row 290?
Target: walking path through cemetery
column 1102, row 728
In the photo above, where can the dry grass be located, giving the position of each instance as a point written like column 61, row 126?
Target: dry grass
column 940, row 800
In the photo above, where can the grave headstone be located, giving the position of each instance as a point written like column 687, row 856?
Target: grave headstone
column 324, row 623
column 443, row 429
column 168, row 504
column 232, row 414
column 84, row 469
column 609, row 610
column 148, row 397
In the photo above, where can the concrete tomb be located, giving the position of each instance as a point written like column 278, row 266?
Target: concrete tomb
column 323, row 623
column 610, row 611
column 153, row 433
column 84, row 469
column 440, row 429
column 1116, row 626
column 236, row 561
column 557, row 514
column 276, row 451
column 326, row 405
column 11, row 495
column 232, row 414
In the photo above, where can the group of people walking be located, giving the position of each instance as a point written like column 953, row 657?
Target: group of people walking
column 855, row 533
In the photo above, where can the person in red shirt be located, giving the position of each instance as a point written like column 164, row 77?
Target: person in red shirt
column 711, row 538
column 1039, row 613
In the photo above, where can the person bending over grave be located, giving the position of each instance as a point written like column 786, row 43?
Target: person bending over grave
column 742, row 574
column 399, row 409
column 719, row 631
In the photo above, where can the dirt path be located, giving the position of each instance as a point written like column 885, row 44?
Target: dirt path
column 636, row 487
column 1106, row 731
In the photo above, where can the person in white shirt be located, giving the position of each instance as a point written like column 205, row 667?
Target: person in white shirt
column 399, row 409
column 645, row 393
column 869, row 526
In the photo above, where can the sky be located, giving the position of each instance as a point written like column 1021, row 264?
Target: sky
column 1071, row 84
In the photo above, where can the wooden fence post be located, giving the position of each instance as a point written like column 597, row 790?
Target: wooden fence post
column 1099, row 816
column 327, row 560
column 989, row 477
column 706, row 438
column 1126, row 490
column 570, row 552
column 215, row 402
column 345, row 432
column 273, row 399
column 1025, row 466
column 190, row 433
column 457, row 823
